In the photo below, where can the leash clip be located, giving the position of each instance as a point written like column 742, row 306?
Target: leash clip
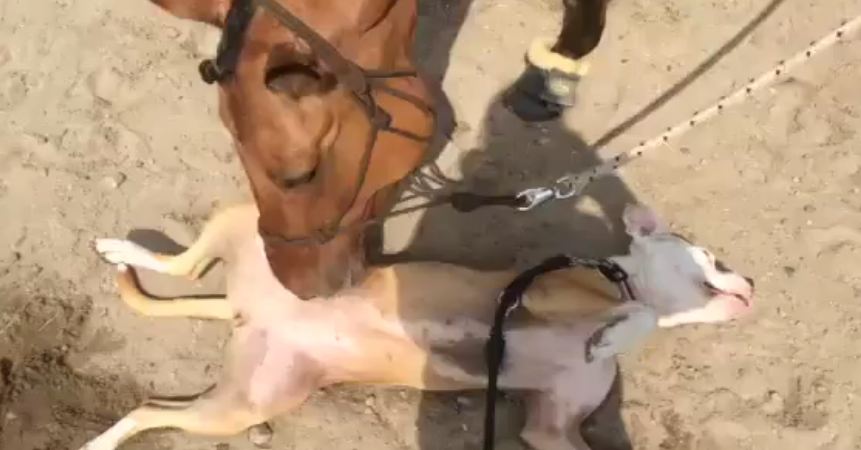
column 533, row 197
column 565, row 187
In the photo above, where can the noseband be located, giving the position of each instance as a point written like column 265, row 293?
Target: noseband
column 359, row 81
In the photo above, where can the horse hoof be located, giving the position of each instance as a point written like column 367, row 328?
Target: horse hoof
column 540, row 95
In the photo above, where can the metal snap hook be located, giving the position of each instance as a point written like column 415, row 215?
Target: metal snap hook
column 533, row 197
column 565, row 187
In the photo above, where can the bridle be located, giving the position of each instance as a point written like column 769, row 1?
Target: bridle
column 359, row 81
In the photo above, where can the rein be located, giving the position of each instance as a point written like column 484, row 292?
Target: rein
column 359, row 81
column 511, row 299
column 573, row 184
column 461, row 201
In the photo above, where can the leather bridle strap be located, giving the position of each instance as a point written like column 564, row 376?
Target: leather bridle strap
column 347, row 73
column 223, row 67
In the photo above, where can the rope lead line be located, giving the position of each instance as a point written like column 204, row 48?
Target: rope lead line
column 572, row 183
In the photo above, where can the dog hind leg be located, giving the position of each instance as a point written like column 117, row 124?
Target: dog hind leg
column 192, row 262
column 217, row 308
column 219, row 413
column 216, row 416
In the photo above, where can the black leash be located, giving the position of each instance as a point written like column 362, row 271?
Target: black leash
column 510, row 299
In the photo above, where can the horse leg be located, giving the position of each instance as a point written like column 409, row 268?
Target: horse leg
column 582, row 27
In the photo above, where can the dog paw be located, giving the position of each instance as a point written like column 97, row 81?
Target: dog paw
column 600, row 343
column 261, row 435
column 122, row 252
column 621, row 333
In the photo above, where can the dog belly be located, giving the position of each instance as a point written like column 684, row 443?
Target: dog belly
column 535, row 358
column 264, row 371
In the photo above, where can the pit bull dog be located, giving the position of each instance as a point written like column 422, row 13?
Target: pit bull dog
column 422, row 325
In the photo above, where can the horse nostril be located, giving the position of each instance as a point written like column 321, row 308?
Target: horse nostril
column 749, row 281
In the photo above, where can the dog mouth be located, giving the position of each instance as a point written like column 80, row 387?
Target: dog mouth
column 715, row 291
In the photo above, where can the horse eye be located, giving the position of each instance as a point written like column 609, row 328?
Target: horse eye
column 291, row 182
column 297, row 81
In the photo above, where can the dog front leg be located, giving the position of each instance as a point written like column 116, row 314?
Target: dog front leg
column 627, row 325
column 547, row 422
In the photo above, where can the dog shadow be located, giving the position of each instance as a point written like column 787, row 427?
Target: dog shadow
column 512, row 155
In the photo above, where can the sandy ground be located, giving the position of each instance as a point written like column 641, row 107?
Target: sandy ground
column 106, row 128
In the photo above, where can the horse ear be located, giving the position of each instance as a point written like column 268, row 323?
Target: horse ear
column 212, row 12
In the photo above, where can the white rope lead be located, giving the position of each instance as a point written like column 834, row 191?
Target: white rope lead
column 572, row 184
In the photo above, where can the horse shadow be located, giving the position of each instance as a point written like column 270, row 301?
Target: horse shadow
column 512, row 155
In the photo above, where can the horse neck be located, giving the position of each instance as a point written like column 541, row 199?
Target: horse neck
column 388, row 44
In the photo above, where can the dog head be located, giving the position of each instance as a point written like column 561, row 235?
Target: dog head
column 685, row 282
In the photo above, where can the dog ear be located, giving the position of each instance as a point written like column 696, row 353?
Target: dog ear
column 212, row 12
column 641, row 221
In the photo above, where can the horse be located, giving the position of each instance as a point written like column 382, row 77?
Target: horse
column 327, row 112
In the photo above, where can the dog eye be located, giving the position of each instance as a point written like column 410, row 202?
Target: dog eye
column 721, row 267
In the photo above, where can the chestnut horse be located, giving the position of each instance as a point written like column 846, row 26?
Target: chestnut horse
column 328, row 114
